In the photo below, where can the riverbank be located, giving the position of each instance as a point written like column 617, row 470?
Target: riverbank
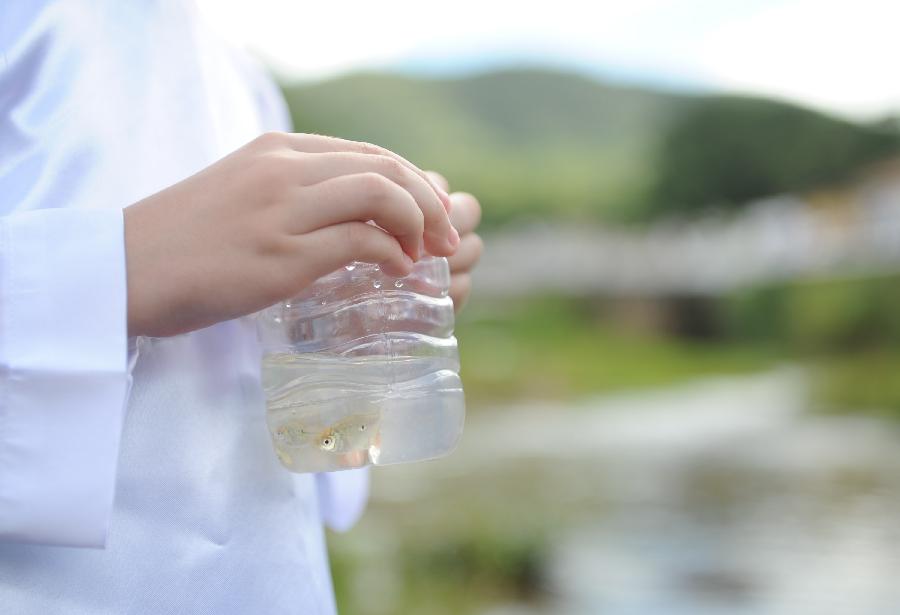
column 561, row 348
column 564, row 348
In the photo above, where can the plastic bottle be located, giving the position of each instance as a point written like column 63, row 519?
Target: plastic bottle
column 362, row 368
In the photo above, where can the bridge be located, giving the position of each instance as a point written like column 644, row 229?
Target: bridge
column 771, row 240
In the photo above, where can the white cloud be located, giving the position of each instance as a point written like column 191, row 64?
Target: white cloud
column 317, row 38
column 837, row 55
column 832, row 54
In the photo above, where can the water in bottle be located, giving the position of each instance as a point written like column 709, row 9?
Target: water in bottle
column 362, row 368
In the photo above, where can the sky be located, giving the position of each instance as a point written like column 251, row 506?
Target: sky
column 840, row 56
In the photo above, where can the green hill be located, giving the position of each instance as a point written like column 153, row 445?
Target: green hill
column 726, row 150
column 551, row 144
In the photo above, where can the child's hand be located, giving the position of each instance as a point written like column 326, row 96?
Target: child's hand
column 465, row 214
column 270, row 218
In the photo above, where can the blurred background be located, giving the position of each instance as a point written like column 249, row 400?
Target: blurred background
column 682, row 356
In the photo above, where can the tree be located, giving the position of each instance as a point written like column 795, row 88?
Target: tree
column 727, row 150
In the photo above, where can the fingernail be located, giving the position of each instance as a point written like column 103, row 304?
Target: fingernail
column 407, row 260
column 453, row 237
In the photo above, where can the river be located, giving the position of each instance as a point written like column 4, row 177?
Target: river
column 721, row 496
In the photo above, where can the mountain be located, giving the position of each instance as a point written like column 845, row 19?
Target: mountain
column 551, row 144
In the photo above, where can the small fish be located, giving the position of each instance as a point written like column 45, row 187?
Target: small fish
column 284, row 457
column 352, row 433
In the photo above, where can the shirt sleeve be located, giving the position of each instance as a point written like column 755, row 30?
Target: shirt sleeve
column 343, row 497
column 64, row 374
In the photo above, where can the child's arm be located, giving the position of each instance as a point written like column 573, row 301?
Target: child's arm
column 270, row 218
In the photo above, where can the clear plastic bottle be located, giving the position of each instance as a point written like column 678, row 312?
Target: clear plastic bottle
column 362, row 368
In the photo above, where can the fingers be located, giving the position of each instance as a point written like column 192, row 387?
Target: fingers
column 329, row 248
column 465, row 214
column 439, row 180
column 467, row 255
column 317, row 144
column 362, row 197
column 460, row 288
column 440, row 237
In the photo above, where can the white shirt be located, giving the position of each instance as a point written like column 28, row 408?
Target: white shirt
column 175, row 486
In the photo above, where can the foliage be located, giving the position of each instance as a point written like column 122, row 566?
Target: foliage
column 487, row 563
column 863, row 381
column 728, row 150
column 563, row 348
column 554, row 347
column 469, row 544
column 824, row 316
column 848, row 330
